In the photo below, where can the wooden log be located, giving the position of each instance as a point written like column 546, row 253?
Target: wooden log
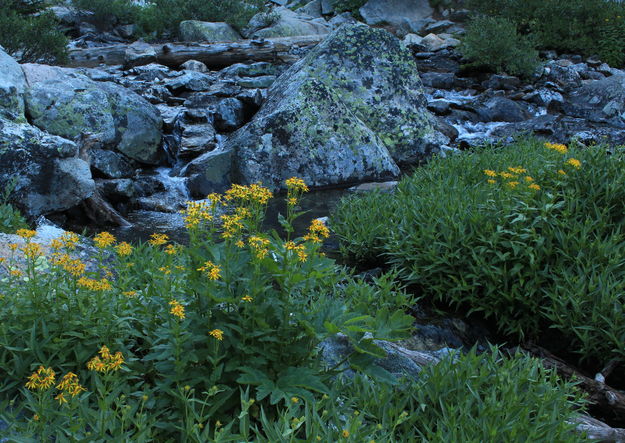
column 213, row 55
column 597, row 430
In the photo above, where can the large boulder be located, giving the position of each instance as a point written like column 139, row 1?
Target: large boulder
column 47, row 173
column 404, row 15
column 68, row 104
column 197, row 31
column 348, row 112
column 12, row 88
column 287, row 23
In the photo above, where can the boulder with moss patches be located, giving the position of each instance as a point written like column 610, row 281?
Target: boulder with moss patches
column 350, row 111
column 12, row 88
column 47, row 173
column 68, row 104
column 197, row 31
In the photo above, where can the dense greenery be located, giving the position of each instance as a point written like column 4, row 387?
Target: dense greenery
column 218, row 341
column 529, row 234
column 589, row 27
column 29, row 33
column 493, row 43
column 162, row 17
column 10, row 218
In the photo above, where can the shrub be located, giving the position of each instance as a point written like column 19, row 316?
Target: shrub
column 532, row 259
column 493, row 43
column 166, row 337
column 29, row 34
column 348, row 5
column 108, row 13
column 10, row 218
column 589, row 27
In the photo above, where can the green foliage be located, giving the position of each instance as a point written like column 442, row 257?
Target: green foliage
column 10, row 218
column 532, row 259
column 195, row 325
column 162, row 17
column 494, row 43
column 590, row 27
column 348, row 5
column 29, row 34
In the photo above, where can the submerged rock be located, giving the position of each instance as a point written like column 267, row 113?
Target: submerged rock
column 350, row 111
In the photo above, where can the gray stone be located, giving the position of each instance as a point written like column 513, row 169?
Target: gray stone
column 345, row 113
column 211, row 172
column 12, row 88
column 433, row 42
column 194, row 65
column 71, row 104
column 312, row 9
column 49, row 175
column 229, row 115
column 290, row 24
column 110, row 164
column 404, row 15
column 505, row 82
column 195, row 31
column 501, row 109
column 414, row 42
column 341, row 19
column 327, row 6
column 438, row 80
column 252, row 70
column 191, row 81
column 264, row 81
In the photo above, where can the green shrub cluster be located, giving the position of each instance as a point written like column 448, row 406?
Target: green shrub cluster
column 530, row 235
column 348, row 5
column 494, row 43
column 29, row 33
column 10, row 218
column 162, row 18
column 589, row 27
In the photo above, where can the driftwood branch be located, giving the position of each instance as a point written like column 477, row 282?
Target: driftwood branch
column 213, row 55
column 602, row 396
column 598, row 430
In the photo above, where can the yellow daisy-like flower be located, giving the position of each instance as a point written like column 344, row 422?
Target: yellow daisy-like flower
column 534, row 186
column 70, row 240
column 172, row 250
column 317, row 231
column 512, row 184
column 129, row 294
column 26, row 233
column 527, row 178
column 296, row 184
column 561, row 172
column 15, row 273
column 345, row 433
column 42, row 379
column 123, row 249
column 106, row 362
column 217, row 333
column 13, row 246
column 94, row 285
column 574, row 162
column 165, row 270
column 211, row 270
column 562, row 149
column 490, row 173
column 158, row 239
column 506, row 175
column 103, row 240
column 294, row 400
column 247, row 298
column 177, row 309
column 517, row 170
column 32, row 250
column 491, row 181
column 61, row 398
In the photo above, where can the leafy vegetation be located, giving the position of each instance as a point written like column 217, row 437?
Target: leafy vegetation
column 589, row 27
column 493, row 43
column 218, row 341
column 530, row 235
column 10, row 218
column 29, row 33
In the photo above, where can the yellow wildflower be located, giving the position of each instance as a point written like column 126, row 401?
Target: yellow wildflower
column 345, row 433
column 247, row 298
column 254, row 193
column 15, row 273
column 158, row 239
column 491, row 181
column 212, row 270
column 73, row 266
column 13, row 246
column 106, row 362
column 259, row 245
column 517, row 170
column 70, row 240
column 232, row 224
column 217, row 333
column 129, row 294
column 240, row 244
column 69, row 383
column 61, row 398
column 42, row 379
column 103, row 240
column 197, row 213
column 317, row 231
column 94, row 285
column 506, row 175
column 292, row 201
column 294, row 400
column 490, row 173
column 534, row 186
column 177, row 309
column 32, row 250
column 124, row 249
column 172, row 250
column 561, row 172
column 165, row 270
column 528, row 179
column 562, row 149
column 26, row 233
column 574, row 162
column 512, row 184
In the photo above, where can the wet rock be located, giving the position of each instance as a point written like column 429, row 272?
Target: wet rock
column 438, row 80
column 502, row 82
column 110, row 164
column 116, row 190
column 501, row 109
column 49, row 176
column 197, row 31
column 346, row 112
column 12, row 88
column 211, row 172
column 439, row 107
column 70, row 104
column 404, row 15
column 229, row 115
column 194, row 135
column 543, row 97
column 564, row 76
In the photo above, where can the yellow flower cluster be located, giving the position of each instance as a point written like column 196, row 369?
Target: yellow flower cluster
column 106, row 362
column 518, row 170
column 296, row 184
column 211, row 270
column 104, row 240
column 73, row 266
column 42, row 379
column 158, row 239
column 562, row 149
column 177, row 310
column 196, row 213
column 512, row 175
column 574, row 162
column 231, row 224
column 70, row 385
column 32, row 250
column 317, row 231
column 26, row 233
column 123, row 249
column 247, row 298
column 300, row 250
column 217, row 333
column 68, row 241
column 259, row 245
column 254, row 193
column 172, row 249
column 94, row 285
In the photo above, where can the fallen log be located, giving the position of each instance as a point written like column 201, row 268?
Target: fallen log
column 213, row 55
column 600, row 395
